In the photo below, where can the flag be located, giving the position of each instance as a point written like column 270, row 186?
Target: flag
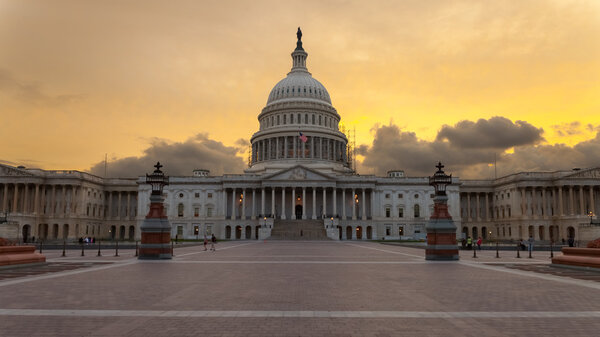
column 303, row 138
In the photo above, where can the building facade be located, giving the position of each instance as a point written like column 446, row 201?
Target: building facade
column 299, row 170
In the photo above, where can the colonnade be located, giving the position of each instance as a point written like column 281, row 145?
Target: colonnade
column 302, row 203
column 293, row 147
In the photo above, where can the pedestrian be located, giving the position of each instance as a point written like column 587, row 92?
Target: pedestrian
column 205, row 241
column 530, row 244
column 479, row 243
column 469, row 243
column 463, row 243
column 571, row 242
column 213, row 240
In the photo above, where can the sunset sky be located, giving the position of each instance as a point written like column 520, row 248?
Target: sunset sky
column 419, row 80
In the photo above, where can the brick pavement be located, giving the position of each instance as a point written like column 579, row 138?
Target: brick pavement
column 326, row 288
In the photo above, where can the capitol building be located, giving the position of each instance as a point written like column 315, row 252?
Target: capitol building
column 300, row 184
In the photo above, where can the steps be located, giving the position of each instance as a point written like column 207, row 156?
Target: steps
column 298, row 230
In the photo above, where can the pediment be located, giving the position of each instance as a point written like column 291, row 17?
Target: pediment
column 589, row 173
column 13, row 172
column 298, row 173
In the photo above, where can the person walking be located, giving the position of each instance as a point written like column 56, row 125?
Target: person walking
column 479, row 243
column 530, row 244
column 213, row 240
column 205, row 242
column 469, row 243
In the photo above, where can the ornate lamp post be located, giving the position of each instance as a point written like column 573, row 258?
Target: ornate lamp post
column 156, row 229
column 441, row 231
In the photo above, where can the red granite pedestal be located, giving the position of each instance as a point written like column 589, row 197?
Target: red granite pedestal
column 20, row 255
column 579, row 257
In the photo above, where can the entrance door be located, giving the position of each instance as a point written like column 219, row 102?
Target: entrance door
column 298, row 211
column 26, row 232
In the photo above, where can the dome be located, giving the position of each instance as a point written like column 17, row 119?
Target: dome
column 299, row 85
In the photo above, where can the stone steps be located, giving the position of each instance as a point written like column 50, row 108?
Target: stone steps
column 298, row 230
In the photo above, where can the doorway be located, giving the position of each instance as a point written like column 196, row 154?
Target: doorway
column 298, row 211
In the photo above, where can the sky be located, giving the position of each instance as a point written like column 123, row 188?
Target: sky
column 466, row 82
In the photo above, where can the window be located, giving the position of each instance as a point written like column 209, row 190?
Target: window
column 299, row 120
column 313, row 119
column 387, row 195
column 400, row 212
column 305, row 118
column 208, row 229
column 180, row 210
column 400, row 230
column 196, row 195
column 196, row 211
column 179, row 231
column 209, row 211
column 181, row 195
column 388, row 230
column 284, row 118
column 320, row 122
column 507, row 195
column 209, row 195
column 387, row 212
column 432, row 195
column 400, row 196
column 417, row 211
column 291, row 118
column 416, row 196
column 196, row 230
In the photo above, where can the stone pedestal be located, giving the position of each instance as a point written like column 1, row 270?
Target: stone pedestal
column 441, row 233
column 156, row 232
column 579, row 257
column 20, row 255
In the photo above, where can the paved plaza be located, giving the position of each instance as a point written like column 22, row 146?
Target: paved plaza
column 278, row 288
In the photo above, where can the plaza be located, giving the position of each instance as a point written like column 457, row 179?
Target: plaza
column 299, row 288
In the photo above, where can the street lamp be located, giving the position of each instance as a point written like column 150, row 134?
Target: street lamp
column 157, row 180
column 591, row 215
column 331, row 222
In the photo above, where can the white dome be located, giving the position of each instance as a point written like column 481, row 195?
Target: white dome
column 299, row 85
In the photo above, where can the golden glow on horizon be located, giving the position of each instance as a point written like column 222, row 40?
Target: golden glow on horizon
column 81, row 79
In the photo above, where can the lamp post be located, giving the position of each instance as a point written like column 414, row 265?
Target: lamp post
column 441, row 231
column 156, row 229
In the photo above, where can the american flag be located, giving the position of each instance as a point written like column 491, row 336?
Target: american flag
column 303, row 138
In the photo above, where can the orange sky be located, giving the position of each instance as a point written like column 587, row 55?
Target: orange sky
column 79, row 79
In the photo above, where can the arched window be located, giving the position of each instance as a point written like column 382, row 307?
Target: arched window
column 180, row 210
column 417, row 211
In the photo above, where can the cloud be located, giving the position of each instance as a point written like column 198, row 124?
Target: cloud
column 494, row 133
column 393, row 148
column 179, row 159
column 32, row 93
column 569, row 129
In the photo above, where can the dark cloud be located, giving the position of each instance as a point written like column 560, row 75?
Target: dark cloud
column 393, row 148
column 179, row 159
column 494, row 133
column 31, row 93
column 569, row 129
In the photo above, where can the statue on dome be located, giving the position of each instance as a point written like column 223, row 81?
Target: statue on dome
column 299, row 43
column 299, row 34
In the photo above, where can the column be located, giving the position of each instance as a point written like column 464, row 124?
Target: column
column 110, row 214
column 26, row 199
column 364, row 209
column 321, row 148
column 353, row 204
column 269, row 149
column 295, row 146
column 285, row 146
column 233, row 200
column 581, row 203
column 560, row 201
column 277, row 147
column 273, row 202
column 335, row 202
column 262, row 203
column 244, row 204
column 5, row 199
column 487, row 206
column 53, row 200
column 304, row 203
column 293, row 217
column 15, row 198
column 324, row 202
column 571, row 201
column 224, row 203
column 477, row 211
column 253, row 204
column 592, row 208
column 283, row 203
column 372, row 207
column 119, row 207
column 63, row 199
column 43, row 202
column 344, row 203
column 468, row 206
column 544, row 211
column 534, row 203
column 314, row 210
column 523, row 206
column 128, row 210
column 36, row 199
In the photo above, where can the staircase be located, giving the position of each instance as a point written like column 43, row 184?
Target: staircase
column 298, row 230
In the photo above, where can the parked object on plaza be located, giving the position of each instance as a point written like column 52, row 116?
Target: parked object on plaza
column 156, row 229
column 441, row 231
